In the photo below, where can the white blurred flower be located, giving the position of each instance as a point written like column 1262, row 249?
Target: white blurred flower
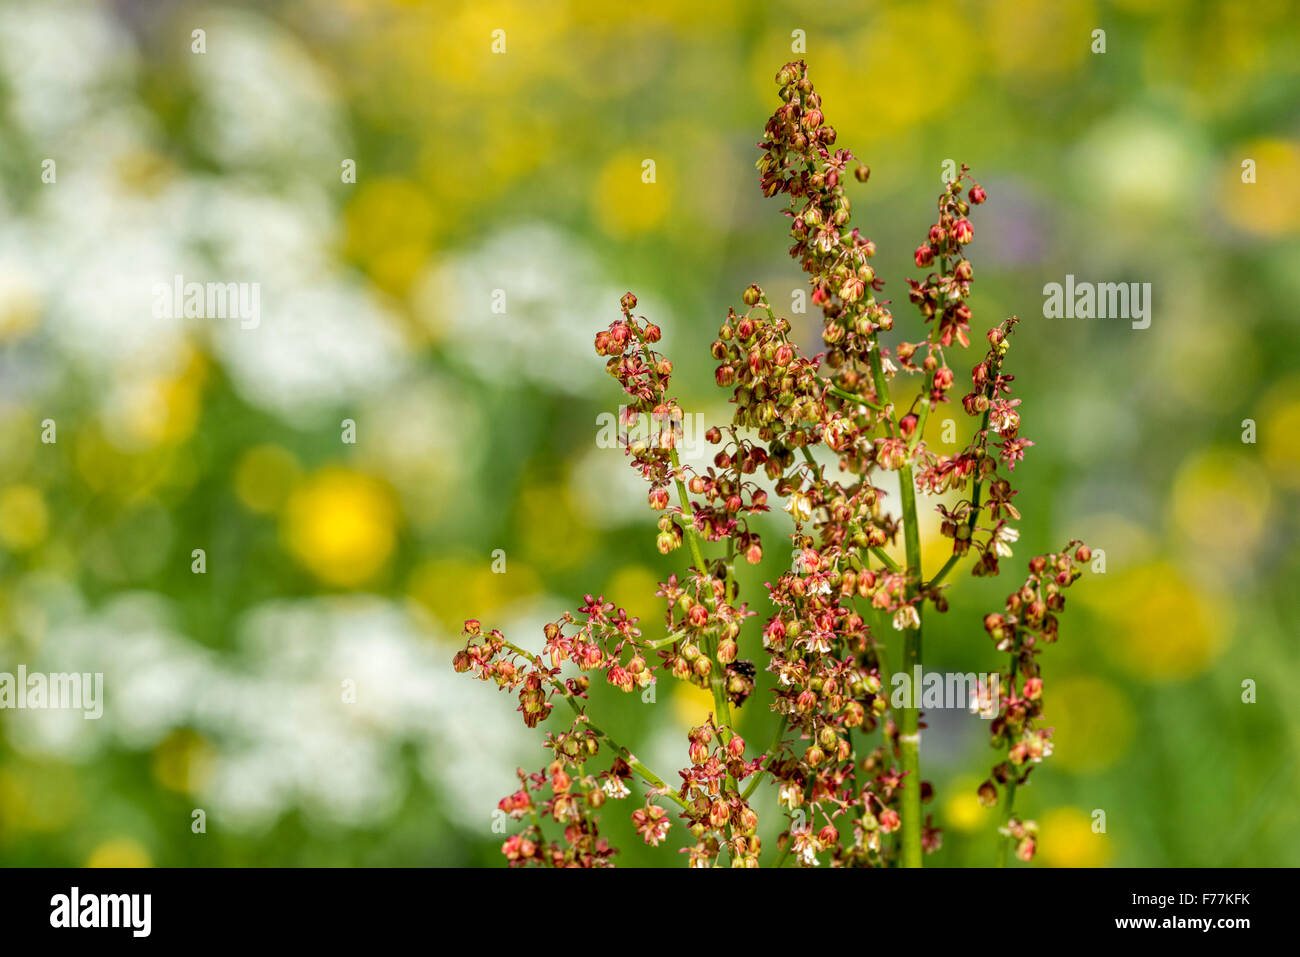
column 54, row 58
column 311, row 711
column 907, row 617
column 90, row 252
column 555, row 294
column 1002, row 540
column 799, row 506
column 263, row 101
column 424, row 436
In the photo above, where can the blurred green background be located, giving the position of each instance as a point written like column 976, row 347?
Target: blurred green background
column 445, row 301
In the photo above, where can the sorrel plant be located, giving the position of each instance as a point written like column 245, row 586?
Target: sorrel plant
column 851, row 799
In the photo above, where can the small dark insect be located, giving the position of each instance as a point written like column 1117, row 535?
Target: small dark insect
column 740, row 680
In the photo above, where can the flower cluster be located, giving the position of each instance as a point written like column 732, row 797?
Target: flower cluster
column 937, row 473
column 569, row 805
column 717, row 812
column 851, row 799
column 1029, row 623
column 605, row 640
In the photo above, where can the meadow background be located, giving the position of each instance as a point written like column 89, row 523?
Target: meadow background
column 476, row 430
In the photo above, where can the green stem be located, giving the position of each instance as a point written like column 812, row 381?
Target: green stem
column 537, row 823
column 780, row 861
column 1005, row 854
column 909, row 738
column 888, row 562
column 878, row 379
column 850, row 397
column 688, row 513
column 771, row 749
column 909, row 719
column 717, row 674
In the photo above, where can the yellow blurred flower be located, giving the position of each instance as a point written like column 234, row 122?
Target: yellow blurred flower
column 119, row 852
column 1278, row 433
column 20, row 305
column 40, row 798
column 145, row 171
column 962, row 811
column 623, row 203
column 632, row 587
column 464, row 39
column 129, row 476
column 1157, row 625
column 1220, row 503
column 182, row 761
column 162, row 410
column 684, row 15
column 1093, row 722
column 1067, row 840
column 24, row 519
column 455, row 589
column 1039, row 38
column 691, row 704
column 1218, row 59
column 264, row 477
column 1269, row 206
column 390, row 225
column 552, row 531
column 145, row 411
column 342, row 525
